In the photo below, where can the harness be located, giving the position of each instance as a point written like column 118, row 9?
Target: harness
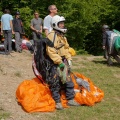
column 43, row 66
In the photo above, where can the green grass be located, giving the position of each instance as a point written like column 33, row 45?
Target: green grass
column 3, row 114
column 106, row 78
column 18, row 74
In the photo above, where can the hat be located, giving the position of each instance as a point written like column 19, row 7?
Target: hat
column 105, row 27
column 17, row 13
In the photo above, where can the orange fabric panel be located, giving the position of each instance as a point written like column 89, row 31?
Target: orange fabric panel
column 84, row 97
column 36, row 97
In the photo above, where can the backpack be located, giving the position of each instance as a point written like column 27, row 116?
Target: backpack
column 111, row 37
column 41, row 61
column 117, row 41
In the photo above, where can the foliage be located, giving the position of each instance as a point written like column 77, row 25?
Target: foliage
column 84, row 18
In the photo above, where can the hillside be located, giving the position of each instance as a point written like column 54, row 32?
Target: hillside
column 17, row 67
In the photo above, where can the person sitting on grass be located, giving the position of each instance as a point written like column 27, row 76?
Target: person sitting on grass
column 26, row 44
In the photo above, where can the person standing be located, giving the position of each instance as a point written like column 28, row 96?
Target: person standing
column 47, row 20
column 36, row 27
column 61, row 58
column 18, row 30
column 109, row 51
column 7, row 30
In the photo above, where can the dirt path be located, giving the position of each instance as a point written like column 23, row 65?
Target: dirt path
column 14, row 69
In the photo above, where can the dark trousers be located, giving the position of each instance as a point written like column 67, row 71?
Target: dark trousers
column 56, row 85
column 8, row 40
column 18, row 41
column 69, row 91
column 30, row 47
column 36, row 37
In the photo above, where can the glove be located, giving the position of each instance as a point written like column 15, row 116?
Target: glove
column 70, row 63
column 62, row 73
column 62, row 65
column 85, row 84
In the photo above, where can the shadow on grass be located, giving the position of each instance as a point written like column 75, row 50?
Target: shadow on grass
column 115, row 64
column 99, row 61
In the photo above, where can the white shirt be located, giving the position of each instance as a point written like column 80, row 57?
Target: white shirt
column 25, row 41
column 47, row 23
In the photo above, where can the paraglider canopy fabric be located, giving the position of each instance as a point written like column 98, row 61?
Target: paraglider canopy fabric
column 36, row 97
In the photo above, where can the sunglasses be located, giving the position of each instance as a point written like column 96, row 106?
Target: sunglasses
column 54, row 8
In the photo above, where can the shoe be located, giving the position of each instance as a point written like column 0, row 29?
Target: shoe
column 105, row 57
column 7, row 53
column 31, row 52
column 109, row 61
column 73, row 103
column 59, row 106
column 11, row 51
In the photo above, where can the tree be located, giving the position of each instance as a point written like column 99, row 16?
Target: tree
column 84, row 18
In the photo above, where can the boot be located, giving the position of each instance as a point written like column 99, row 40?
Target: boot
column 73, row 103
column 105, row 54
column 59, row 106
column 109, row 61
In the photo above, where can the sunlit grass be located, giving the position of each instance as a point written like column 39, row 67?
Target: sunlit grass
column 106, row 78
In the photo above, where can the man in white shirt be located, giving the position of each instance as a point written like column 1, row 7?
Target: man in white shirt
column 47, row 20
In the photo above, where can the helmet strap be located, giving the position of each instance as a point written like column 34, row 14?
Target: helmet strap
column 58, row 32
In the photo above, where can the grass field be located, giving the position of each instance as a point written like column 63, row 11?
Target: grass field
column 106, row 78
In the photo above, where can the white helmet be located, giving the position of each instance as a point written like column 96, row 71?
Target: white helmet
column 54, row 23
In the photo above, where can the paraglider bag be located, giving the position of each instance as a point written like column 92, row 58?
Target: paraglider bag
column 41, row 62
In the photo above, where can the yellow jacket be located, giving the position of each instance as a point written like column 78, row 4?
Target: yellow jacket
column 61, row 48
